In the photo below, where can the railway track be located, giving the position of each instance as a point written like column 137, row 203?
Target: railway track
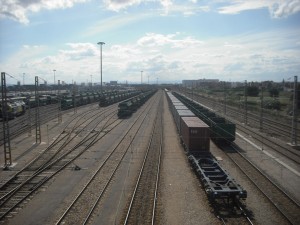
column 141, row 209
column 79, row 212
column 281, row 148
column 278, row 198
column 55, row 158
column 270, row 125
column 233, row 213
column 26, row 123
column 277, row 145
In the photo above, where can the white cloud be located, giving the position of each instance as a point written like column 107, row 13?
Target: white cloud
column 117, row 5
column 170, row 40
column 277, row 8
column 19, row 9
column 171, row 57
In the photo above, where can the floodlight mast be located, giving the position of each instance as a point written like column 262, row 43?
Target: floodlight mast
column 100, row 44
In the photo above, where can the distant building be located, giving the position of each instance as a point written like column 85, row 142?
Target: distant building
column 200, row 82
column 113, row 83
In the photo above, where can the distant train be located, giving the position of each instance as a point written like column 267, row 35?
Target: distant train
column 16, row 106
column 126, row 108
column 195, row 135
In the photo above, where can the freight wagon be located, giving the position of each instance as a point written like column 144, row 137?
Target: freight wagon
column 128, row 107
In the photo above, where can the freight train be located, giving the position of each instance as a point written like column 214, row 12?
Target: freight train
column 113, row 97
column 195, row 137
column 222, row 130
column 104, row 99
column 16, row 106
column 126, row 108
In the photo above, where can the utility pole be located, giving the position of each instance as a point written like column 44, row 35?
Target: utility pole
column 37, row 112
column 6, row 137
column 294, row 121
column 245, row 103
column 225, row 98
column 261, row 108
column 59, row 117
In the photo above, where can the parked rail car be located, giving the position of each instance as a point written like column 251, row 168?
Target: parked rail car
column 109, row 98
column 217, row 183
column 223, row 131
column 104, row 100
column 125, row 109
column 195, row 137
column 67, row 102
column 20, row 105
column 128, row 107
column 11, row 109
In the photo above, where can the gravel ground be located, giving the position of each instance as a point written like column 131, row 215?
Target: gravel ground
column 260, row 208
column 181, row 199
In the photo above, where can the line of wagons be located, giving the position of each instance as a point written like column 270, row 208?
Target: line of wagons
column 195, row 135
column 128, row 107
column 16, row 106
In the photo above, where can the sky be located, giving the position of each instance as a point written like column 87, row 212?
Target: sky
column 170, row 41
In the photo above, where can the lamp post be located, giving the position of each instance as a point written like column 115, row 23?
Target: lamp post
column 141, row 77
column 54, row 80
column 54, row 76
column 101, row 43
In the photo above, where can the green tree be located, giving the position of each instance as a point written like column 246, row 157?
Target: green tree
column 252, row 91
column 274, row 92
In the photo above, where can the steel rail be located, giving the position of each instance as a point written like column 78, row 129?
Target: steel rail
column 63, row 135
column 282, row 149
column 84, row 189
column 274, row 201
column 138, row 182
column 44, row 179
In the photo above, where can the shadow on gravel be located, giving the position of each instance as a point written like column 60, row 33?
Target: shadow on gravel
column 27, row 151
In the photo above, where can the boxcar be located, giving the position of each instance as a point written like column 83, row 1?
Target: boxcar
column 195, row 135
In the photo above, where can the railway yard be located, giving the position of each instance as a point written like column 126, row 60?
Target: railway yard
column 97, row 165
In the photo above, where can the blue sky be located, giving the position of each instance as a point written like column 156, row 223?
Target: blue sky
column 233, row 40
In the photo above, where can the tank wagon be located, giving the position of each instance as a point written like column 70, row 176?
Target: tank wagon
column 10, row 108
column 108, row 98
column 222, row 130
column 126, row 108
column 195, row 137
column 104, row 99
column 19, row 102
